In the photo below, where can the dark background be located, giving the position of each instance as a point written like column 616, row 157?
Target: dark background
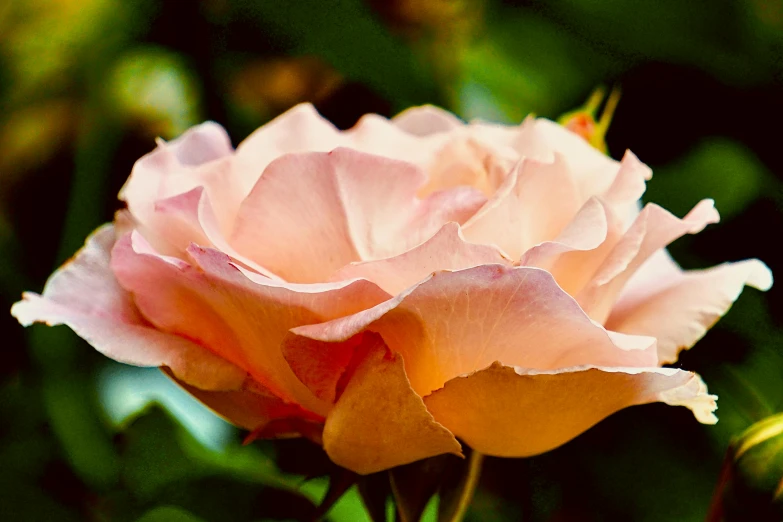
column 86, row 85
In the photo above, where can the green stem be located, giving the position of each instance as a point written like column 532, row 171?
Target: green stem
column 475, row 461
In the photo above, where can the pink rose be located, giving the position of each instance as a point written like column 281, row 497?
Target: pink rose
column 389, row 288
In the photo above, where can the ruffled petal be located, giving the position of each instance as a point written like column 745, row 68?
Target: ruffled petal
column 379, row 422
column 200, row 157
column 300, row 129
column 311, row 214
column 457, row 322
column 514, row 412
column 679, row 310
column 446, row 250
column 543, row 140
column 534, row 204
column 426, row 120
column 651, row 231
column 252, row 407
column 244, row 320
column 85, row 296
column 464, row 161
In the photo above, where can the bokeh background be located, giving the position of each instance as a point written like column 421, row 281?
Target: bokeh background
column 86, row 86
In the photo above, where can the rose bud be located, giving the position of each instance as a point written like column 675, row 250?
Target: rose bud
column 387, row 289
column 752, row 478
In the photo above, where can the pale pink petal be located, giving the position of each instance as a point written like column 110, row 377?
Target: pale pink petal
column 426, row 120
column 311, row 214
column 165, row 171
column 375, row 134
column 446, row 250
column 457, row 322
column 679, row 310
column 651, row 231
column 534, row 204
column 300, row 129
column 543, row 140
column 379, row 422
column 464, row 161
column 516, row 412
column 212, row 302
column 85, row 296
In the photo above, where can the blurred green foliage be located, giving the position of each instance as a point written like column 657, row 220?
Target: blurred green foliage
column 86, row 85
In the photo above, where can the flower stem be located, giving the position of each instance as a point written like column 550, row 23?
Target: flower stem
column 475, row 461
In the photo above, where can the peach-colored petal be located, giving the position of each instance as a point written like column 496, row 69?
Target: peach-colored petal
column 311, row 214
column 534, row 204
column 375, row 134
column 212, row 302
column 446, row 250
column 85, row 296
column 515, row 412
column 457, row 322
column 678, row 311
column 200, row 157
column 543, row 140
column 300, row 129
column 464, row 161
column 651, row 231
column 251, row 407
column 379, row 422
column 628, row 187
column 426, row 120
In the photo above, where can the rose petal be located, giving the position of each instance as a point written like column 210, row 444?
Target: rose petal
column 341, row 207
column 515, row 412
column 464, row 161
column 252, row 407
column 457, row 322
column 300, row 129
column 379, row 422
column 426, row 120
column 652, row 230
column 85, row 296
column 541, row 139
column 200, row 157
column 679, row 310
column 534, row 204
column 446, row 250
column 243, row 320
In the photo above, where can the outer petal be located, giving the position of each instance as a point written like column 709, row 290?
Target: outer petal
column 514, row 412
column 446, row 250
column 202, row 157
column 426, row 120
column 311, row 214
column 535, row 203
column 243, row 320
column 251, row 407
column 85, row 296
column 651, row 231
column 457, row 322
column 678, row 311
column 379, row 422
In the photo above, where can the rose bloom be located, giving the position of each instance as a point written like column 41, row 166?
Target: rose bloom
column 387, row 289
